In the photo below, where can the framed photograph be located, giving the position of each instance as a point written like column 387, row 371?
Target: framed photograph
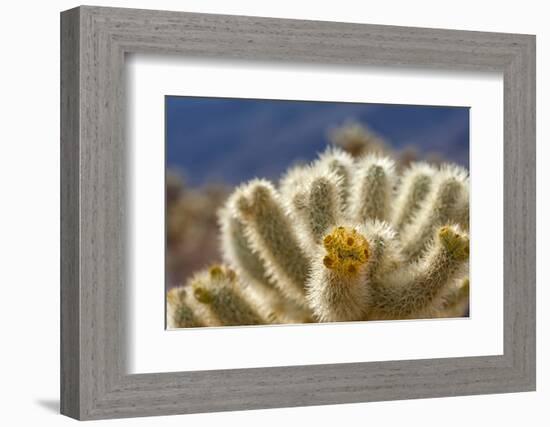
column 262, row 213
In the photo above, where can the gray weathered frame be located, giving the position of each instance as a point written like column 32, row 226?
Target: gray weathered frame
column 94, row 41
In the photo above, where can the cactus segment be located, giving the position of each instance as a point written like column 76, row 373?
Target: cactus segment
column 372, row 188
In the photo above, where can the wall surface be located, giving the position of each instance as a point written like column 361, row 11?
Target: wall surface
column 29, row 217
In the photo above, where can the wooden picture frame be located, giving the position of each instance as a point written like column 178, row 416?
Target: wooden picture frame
column 94, row 382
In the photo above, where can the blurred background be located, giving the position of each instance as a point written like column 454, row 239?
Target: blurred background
column 214, row 144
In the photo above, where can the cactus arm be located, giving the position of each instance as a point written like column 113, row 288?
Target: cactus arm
column 179, row 310
column 415, row 186
column 322, row 206
column 372, row 189
column 219, row 291
column 413, row 291
column 441, row 207
column 341, row 164
column 272, row 236
column 236, row 249
column 315, row 204
column 385, row 250
column 272, row 305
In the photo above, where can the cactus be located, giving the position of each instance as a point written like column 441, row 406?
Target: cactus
column 341, row 239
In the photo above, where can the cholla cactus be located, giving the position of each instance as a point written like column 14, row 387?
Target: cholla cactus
column 342, row 239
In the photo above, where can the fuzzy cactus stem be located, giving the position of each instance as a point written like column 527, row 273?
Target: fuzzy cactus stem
column 385, row 251
column 411, row 293
column 272, row 236
column 373, row 185
column 441, row 207
column 179, row 312
column 341, row 164
column 219, row 291
column 415, row 186
column 316, row 205
column 236, row 249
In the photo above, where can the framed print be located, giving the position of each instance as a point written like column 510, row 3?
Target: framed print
column 261, row 213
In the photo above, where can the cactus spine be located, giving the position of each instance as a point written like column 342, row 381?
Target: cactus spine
column 373, row 189
column 341, row 239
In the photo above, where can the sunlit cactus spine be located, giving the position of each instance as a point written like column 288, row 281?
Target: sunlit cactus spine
column 411, row 291
column 342, row 239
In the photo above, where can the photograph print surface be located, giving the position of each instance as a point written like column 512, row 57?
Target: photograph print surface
column 286, row 211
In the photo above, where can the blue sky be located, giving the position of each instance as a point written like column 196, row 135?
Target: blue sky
column 233, row 140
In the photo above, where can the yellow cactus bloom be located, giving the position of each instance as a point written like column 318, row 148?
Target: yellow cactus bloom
column 347, row 250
